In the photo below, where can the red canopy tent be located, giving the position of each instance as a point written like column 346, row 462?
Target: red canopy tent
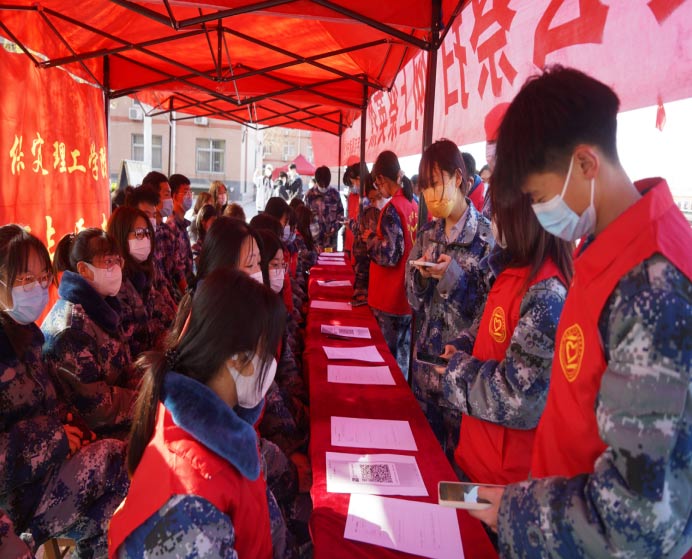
column 303, row 167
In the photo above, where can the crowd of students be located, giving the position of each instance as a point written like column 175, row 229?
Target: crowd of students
column 160, row 407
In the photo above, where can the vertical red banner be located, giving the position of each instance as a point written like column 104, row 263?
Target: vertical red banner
column 53, row 142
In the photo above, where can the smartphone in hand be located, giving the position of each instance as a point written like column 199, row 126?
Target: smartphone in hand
column 461, row 495
column 429, row 359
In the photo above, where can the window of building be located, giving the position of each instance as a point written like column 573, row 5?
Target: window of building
column 210, row 155
column 266, row 149
column 137, row 151
column 289, row 151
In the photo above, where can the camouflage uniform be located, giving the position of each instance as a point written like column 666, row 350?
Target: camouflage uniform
column 638, row 500
column 164, row 260
column 329, row 211
column 10, row 544
column 133, row 318
column 511, row 392
column 446, row 307
column 85, row 350
column 306, row 259
column 182, row 253
column 43, row 490
column 387, row 250
column 367, row 221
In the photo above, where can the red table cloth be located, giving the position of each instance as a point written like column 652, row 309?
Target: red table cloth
column 368, row 401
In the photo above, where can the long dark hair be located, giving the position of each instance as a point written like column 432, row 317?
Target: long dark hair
column 82, row 247
column 527, row 242
column 231, row 314
column 387, row 165
column 303, row 221
column 16, row 245
column 221, row 248
column 120, row 224
column 271, row 244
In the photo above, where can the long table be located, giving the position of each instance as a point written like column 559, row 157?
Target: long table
column 367, row 401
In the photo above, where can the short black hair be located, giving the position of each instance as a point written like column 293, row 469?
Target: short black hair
column 553, row 113
column 176, row 181
column 323, row 176
column 470, row 163
column 268, row 222
column 292, row 166
column 277, row 207
column 155, row 179
column 147, row 193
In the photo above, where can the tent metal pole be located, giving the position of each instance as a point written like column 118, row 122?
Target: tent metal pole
column 363, row 130
column 341, row 129
column 170, row 134
column 107, row 103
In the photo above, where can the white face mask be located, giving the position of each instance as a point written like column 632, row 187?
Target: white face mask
column 314, row 230
column 490, row 154
column 187, row 202
column 27, row 306
column 287, row 233
column 257, row 276
column 276, row 280
column 249, row 394
column 558, row 219
column 106, row 282
column 166, row 207
column 322, row 190
column 140, row 248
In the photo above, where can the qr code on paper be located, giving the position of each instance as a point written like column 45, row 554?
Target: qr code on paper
column 377, row 474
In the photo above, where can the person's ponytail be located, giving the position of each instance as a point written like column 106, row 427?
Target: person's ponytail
column 156, row 364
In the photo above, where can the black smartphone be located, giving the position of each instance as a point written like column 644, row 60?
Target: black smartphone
column 430, row 359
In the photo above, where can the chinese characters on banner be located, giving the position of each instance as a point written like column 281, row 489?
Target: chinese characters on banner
column 641, row 48
column 54, row 166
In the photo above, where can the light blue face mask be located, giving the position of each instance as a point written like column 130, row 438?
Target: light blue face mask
column 27, row 305
column 558, row 219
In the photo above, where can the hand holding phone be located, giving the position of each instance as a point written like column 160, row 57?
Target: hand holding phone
column 421, row 263
column 461, row 495
column 429, row 359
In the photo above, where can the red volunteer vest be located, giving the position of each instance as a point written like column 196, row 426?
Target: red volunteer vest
column 387, row 291
column 567, row 440
column 488, row 452
column 176, row 464
column 352, row 203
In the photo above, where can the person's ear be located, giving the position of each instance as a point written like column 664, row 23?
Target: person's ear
column 84, row 271
column 588, row 160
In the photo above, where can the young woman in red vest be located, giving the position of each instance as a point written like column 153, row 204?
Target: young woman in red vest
column 193, row 455
column 612, row 458
column 499, row 370
column 388, row 248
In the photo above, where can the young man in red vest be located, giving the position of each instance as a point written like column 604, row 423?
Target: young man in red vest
column 612, row 460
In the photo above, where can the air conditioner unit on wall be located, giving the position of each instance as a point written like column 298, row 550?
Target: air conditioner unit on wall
column 136, row 113
column 201, row 121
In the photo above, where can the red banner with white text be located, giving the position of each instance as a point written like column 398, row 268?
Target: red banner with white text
column 54, row 166
column 641, row 48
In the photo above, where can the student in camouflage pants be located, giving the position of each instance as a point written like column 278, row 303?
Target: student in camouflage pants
column 325, row 203
column 612, row 459
column 56, row 479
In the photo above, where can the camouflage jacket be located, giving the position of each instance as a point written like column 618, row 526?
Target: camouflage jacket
column 182, row 253
column 43, row 489
column 165, row 259
column 387, row 250
column 447, row 306
column 134, row 323
column 306, row 259
column 638, row 500
column 86, row 353
column 511, row 392
column 329, row 211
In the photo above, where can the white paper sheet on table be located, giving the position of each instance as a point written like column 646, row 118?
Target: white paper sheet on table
column 331, row 254
column 374, row 474
column 420, row 528
column 331, row 261
column 331, row 305
column 367, row 353
column 334, row 283
column 346, row 331
column 353, row 374
column 390, row 434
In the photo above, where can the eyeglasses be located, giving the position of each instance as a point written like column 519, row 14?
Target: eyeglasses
column 29, row 281
column 276, row 266
column 140, row 233
column 108, row 262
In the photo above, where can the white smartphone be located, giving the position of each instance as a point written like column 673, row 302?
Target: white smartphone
column 460, row 495
column 422, row 263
